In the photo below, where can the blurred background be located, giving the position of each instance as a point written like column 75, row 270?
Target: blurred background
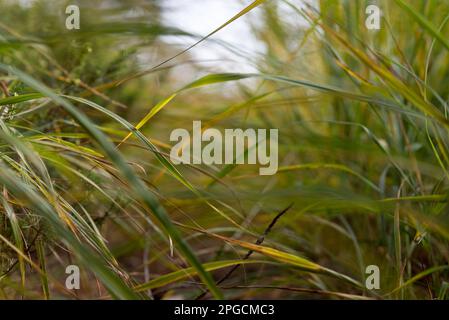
column 362, row 119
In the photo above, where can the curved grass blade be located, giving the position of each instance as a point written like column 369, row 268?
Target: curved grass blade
column 424, row 23
column 40, row 250
column 190, row 272
column 17, row 234
column 136, row 184
column 114, row 283
column 329, row 166
column 281, row 256
column 419, row 276
column 250, row 7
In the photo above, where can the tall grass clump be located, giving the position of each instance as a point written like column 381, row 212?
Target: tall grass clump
column 86, row 178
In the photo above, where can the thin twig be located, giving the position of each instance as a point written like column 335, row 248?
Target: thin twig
column 250, row 252
column 304, row 290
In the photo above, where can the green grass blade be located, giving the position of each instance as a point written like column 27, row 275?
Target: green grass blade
column 137, row 185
